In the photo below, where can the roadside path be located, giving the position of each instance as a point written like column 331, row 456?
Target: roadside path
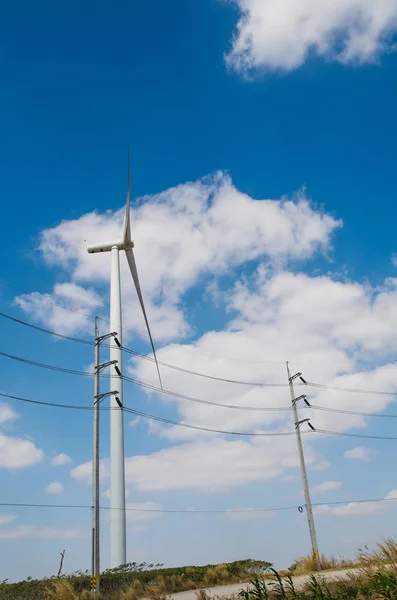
column 233, row 589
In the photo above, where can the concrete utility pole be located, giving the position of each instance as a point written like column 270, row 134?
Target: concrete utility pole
column 309, row 509
column 95, row 559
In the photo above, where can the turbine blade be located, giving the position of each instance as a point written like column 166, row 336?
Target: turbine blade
column 131, row 262
column 127, row 225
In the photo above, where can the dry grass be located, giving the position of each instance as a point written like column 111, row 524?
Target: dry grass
column 62, row 590
column 307, row 564
column 384, row 554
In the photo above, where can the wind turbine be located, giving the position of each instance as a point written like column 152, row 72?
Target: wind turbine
column 117, row 467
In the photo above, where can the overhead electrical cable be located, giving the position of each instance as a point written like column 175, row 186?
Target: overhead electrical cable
column 140, row 355
column 350, row 390
column 197, row 511
column 270, row 409
column 197, row 373
column 71, row 310
column 198, row 427
column 356, row 435
column 184, row 396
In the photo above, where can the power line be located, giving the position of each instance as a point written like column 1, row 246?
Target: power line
column 49, row 331
column 147, row 416
column 197, row 511
column 189, row 426
column 140, row 355
column 137, row 382
column 272, row 434
column 205, row 375
column 353, row 412
column 192, row 372
column 53, row 404
column 72, row 310
column 350, row 390
column 356, row 435
column 183, row 396
column 197, row 427
column 45, row 366
column 270, row 409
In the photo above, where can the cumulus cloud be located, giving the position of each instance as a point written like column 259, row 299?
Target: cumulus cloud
column 360, row 453
column 325, row 327
column 210, row 465
column 335, row 331
column 61, row 459
column 7, row 414
column 282, row 34
column 54, row 488
column 359, row 509
column 66, row 310
column 16, row 453
column 192, row 230
column 83, row 472
column 326, row 486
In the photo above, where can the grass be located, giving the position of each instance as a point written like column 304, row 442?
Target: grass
column 375, row 586
column 307, row 564
column 375, row 579
column 134, row 581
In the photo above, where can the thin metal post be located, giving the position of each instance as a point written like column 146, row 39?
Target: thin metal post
column 306, row 491
column 96, row 569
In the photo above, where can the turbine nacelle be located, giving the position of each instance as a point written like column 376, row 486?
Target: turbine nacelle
column 107, row 246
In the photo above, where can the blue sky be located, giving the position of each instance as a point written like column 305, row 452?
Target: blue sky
column 262, row 140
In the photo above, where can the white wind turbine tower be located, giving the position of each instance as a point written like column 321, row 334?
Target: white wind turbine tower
column 117, row 468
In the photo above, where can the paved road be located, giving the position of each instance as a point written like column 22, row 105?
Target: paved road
column 230, row 590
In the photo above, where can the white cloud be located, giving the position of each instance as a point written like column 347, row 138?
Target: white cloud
column 326, row 486
column 16, row 453
column 83, row 472
column 326, row 328
column 359, row 509
column 61, row 459
column 47, row 308
column 54, row 488
column 4, row 519
column 335, row 331
column 7, row 414
column 282, row 34
column 37, row 531
column 212, row 465
column 180, row 235
column 360, row 453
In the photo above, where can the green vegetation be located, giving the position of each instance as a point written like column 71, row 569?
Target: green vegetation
column 134, row 581
column 374, row 578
